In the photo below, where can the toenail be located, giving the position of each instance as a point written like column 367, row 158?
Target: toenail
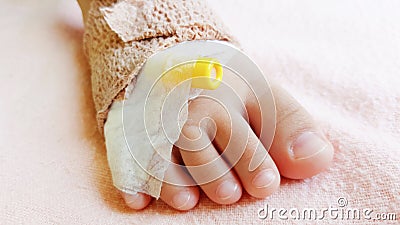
column 131, row 199
column 226, row 189
column 308, row 145
column 181, row 199
column 264, row 178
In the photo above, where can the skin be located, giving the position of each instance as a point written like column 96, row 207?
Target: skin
column 299, row 149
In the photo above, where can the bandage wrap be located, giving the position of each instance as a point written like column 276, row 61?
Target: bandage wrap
column 121, row 35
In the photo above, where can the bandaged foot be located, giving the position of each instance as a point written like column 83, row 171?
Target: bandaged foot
column 168, row 131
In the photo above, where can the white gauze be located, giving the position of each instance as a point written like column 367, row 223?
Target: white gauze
column 140, row 132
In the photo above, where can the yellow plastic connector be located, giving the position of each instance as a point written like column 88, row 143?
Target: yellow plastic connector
column 201, row 74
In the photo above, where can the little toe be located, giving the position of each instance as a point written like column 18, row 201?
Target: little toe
column 136, row 201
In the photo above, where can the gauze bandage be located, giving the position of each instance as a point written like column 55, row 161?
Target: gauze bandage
column 121, row 35
column 119, row 38
column 141, row 130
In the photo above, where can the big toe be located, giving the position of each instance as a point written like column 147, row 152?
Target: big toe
column 299, row 149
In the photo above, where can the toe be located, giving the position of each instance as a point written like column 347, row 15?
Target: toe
column 299, row 148
column 136, row 201
column 179, row 190
column 208, row 169
column 255, row 168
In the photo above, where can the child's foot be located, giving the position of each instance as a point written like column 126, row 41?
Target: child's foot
column 299, row 150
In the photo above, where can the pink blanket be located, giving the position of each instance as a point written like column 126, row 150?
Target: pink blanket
column 340, row 59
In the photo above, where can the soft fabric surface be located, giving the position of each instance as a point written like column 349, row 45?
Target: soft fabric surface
column 340, row 59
